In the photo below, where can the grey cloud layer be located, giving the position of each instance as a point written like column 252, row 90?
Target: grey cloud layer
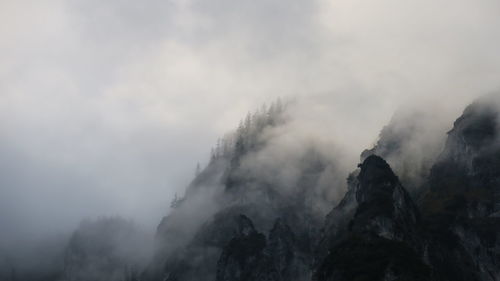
column 110, row 105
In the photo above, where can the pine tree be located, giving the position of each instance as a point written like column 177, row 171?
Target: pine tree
column 197, row 172
column 176, row 202
column 212, row 155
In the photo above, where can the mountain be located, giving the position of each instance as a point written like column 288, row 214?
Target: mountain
column 281, row 194
column 411, row 143
column 468, row 167
column 461, row 207
column 272, row 205
column 451, row 233
column 373, row 234
column 265, row 210
column 106, row 249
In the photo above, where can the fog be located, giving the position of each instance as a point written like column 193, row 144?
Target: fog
column 106, row 107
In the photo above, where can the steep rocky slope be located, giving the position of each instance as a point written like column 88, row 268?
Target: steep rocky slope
column 461, row 207
column 239, row 221
column 373, row 233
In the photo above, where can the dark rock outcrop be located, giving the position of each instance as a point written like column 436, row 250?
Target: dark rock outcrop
column 252, row 256
column 460, row 209
column 242, row 258
column 465, row 181
column 372, row 234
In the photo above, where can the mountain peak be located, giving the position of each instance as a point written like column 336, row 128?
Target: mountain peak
column 384, row 206
column 245, row 225
column 477, row 127
column 464, row 180
column 376, row 170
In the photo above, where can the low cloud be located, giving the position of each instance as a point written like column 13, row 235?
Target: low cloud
column 105, row 108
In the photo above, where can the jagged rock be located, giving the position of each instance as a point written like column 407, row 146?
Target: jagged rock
column 250, row 256
column 370, row 259
column 287, row 260
column 281, row 249
column 384, row 206
column 460, row 206
column 241, row 258
column 375, row 237
column 336, row 223
column 222, row 227
column 375, row 203
column 481, row 240
column 465, row 181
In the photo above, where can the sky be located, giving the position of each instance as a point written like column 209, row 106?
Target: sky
column 106, row 107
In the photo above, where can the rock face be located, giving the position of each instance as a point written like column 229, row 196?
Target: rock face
column 252, row 256
column 377, row 237
column 461, row 207
column 242, row 257
column 384, row 207
column 467, row 172
column 453, row 233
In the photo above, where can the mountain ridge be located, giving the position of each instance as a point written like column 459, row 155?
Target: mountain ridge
column 376, row 213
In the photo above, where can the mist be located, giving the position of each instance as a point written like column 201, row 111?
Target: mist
column 106, row 108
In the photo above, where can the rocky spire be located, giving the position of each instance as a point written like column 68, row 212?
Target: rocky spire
column 377, row 213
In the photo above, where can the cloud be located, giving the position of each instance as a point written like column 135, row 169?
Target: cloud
column 110, row 105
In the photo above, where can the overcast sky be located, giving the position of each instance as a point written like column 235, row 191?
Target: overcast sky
column 106, row 106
